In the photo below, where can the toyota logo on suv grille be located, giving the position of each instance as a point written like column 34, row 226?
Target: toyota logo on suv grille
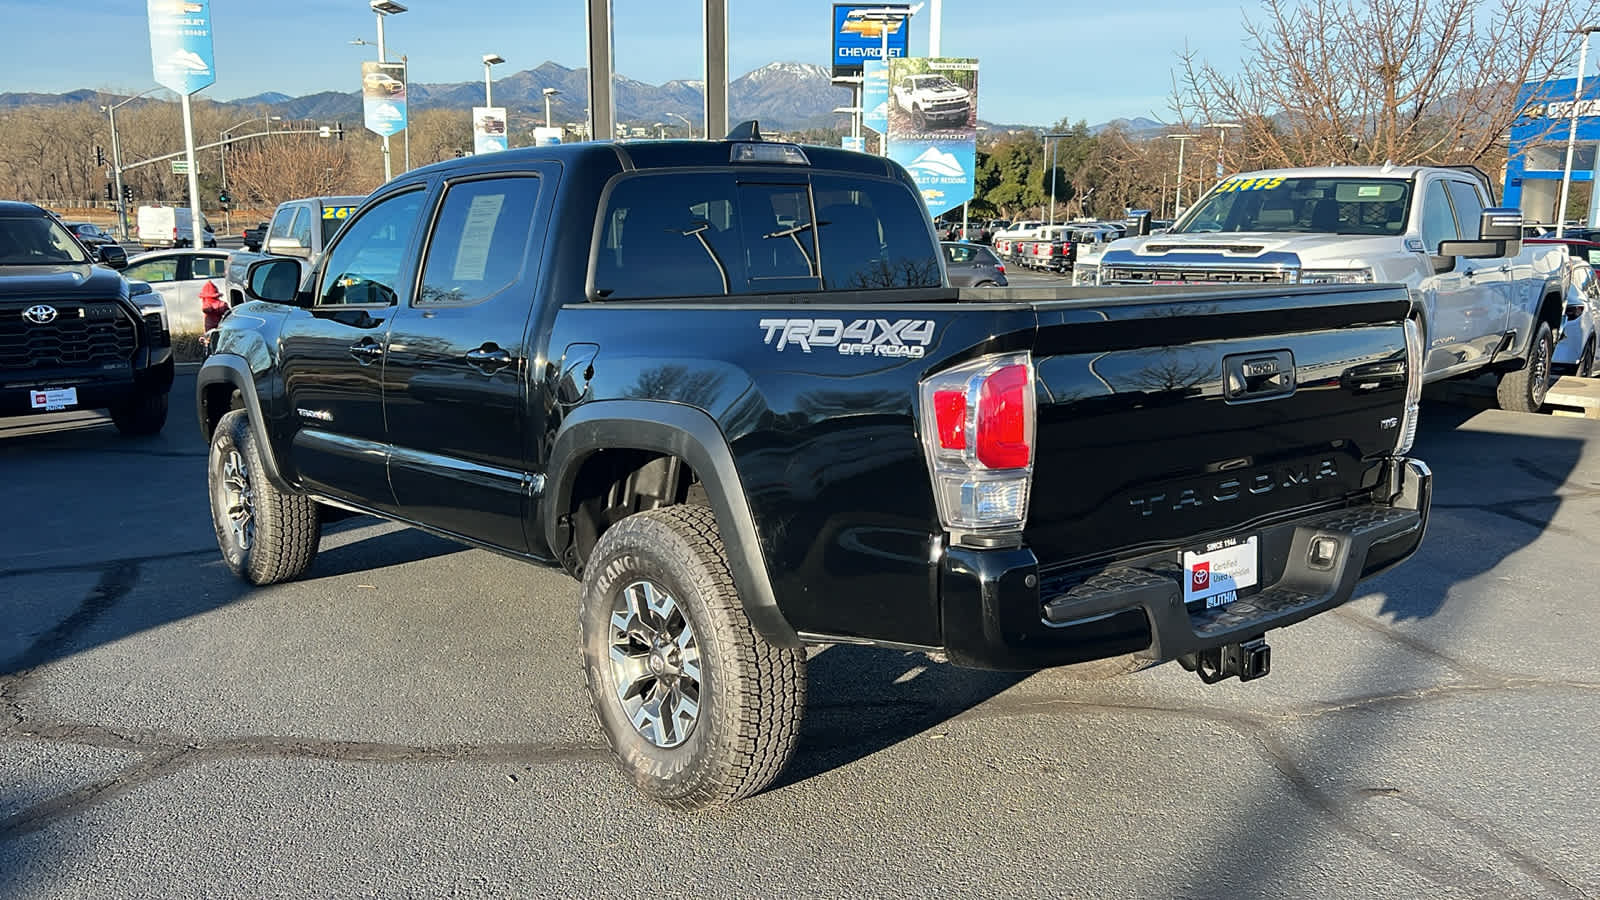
column 40, row 315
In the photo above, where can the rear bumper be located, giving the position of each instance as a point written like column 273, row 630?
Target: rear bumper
column 999, row 612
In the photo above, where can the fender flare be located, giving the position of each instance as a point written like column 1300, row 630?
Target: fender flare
column 226, row 368
column 694, row 437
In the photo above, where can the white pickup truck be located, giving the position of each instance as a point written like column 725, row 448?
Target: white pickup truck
column 933, row 99
column 1488, row 304
column 299, row 228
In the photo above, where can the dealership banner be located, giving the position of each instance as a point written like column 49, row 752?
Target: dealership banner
column 488, row 129
column 933, row 127
column 383, row 96
column 545, row 136
column 857, row 38
column 180, row 44
column 875, row 96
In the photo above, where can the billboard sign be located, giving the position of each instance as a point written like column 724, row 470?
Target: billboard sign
column 180, row 44
column 545, row 136
column 875, row 96
column 383, row 96
column 857, row 39
column 933, row 127
column 488, row 129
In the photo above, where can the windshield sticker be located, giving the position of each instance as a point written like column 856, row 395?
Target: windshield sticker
column 1369, row 190
column 1249, row 184
column 337, row 212
column 902, row 338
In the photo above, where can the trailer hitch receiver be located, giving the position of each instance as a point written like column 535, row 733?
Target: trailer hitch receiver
column 1248, row 660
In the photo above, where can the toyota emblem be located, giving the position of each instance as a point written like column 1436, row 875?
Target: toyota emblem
column 40, row 315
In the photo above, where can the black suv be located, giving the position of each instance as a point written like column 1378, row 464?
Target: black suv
column 74, row 335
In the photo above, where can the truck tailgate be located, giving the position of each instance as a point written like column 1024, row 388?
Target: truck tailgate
column 1174, row 421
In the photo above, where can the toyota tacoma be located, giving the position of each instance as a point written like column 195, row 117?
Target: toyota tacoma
column 725, row 386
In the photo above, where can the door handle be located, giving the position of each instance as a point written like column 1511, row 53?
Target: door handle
column 367, row 351
column 488, row 359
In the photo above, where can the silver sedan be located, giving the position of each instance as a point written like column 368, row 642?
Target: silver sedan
column 179, row 276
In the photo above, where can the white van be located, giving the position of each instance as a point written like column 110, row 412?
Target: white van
column 168, row 226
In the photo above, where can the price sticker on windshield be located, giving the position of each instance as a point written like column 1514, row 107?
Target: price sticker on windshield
column 1250, row 184
column 337, row 212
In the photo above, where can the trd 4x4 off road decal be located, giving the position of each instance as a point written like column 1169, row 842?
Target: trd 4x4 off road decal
column 908, row 338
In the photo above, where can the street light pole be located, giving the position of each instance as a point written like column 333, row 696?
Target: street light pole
column 1572, row 129
column 1222, row 140
column 489, row 60
column 116, row 158
column 1177, row 190
column 382, row 9
column 551, row 92
column 686, row 123
column 1050, row 139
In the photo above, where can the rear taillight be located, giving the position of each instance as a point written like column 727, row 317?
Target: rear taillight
column 978, row 425
column 1408, row 424
column 1000, row 267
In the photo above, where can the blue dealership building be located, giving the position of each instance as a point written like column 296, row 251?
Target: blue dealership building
column 1538, row 150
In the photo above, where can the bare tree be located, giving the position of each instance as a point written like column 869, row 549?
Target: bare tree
column 282, row 168
column 1369, row 81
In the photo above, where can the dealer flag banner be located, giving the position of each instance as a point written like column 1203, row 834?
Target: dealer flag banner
column 383, row 96
column 488, row 129
column 180, row 44
column 933, row 126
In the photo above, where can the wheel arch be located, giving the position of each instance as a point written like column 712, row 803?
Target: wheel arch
column 224, row 383
column 646, row 431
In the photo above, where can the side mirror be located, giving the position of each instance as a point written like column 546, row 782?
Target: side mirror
column 273, row 280
column 1479, row 249
column 1500, row 224
column 113, row 256
column 287, row 246
column 1141, row 222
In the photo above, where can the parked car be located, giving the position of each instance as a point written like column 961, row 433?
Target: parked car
column 254, row 237
column 90, row 235
column 972, row 265
column 747, row 433
column 1575, row 352
column 299, row 229
column 74, row 335
column 180, row 277
column 1489, row 303
column 169, row 226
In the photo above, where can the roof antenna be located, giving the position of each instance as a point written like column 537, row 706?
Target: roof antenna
column 1388, row 166
column 745, row 131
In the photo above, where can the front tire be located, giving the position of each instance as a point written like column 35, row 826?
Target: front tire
column 141, row 415
column 919, row 120
column 1524, row 389
column 698, row 709
column 1586, row 361
column 267, row 535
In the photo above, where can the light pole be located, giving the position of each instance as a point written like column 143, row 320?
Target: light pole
column 548, row 93
column 383, row 9
column 661, row 131
column 489, row 60
column 1572, row 129
column 1222, row 140
column 116, row 158
column 222, row 161
column 1049, row 139
column 1177, row 190
column 686, row 123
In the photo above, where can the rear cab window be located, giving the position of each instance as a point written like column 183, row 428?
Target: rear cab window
column 688, row 234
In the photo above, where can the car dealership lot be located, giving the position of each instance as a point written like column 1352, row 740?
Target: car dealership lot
column 411, row 719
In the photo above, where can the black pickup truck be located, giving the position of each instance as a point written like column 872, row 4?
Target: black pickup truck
column 724, row 385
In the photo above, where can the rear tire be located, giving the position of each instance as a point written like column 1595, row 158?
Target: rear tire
column 986, row 284
column 1524, row 389
column 1586, row 361
column 141, row 416
column 267, row 535
column 698, row 709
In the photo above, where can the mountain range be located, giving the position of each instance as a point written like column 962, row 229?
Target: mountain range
column 782, row 95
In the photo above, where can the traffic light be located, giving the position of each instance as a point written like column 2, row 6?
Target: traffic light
column 127, row 193
column 99, row 156
column 111, row 193
column 224, row 199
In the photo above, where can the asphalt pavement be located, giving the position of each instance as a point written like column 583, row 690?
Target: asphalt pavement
column 410, row 719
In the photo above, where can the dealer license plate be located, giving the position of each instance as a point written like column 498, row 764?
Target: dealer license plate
column 60, row 398
column 1215, row 576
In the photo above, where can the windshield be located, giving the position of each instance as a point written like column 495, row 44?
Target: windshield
column 37, row 240
column 1370, row 206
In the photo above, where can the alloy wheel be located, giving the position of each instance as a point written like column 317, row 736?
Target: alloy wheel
column 655, row 663
column 238, row 501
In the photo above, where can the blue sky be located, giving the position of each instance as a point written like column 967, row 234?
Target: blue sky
column 1041, row 59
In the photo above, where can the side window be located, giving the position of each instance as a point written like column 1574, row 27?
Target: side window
column 960, row 255
column 280, row 222
column 1469, row 207
column 1438, row 224
column 365, row 267
column 480, row 242
column 301, row 229
column 207, row 267
column 156, row 270
column 873, row 234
